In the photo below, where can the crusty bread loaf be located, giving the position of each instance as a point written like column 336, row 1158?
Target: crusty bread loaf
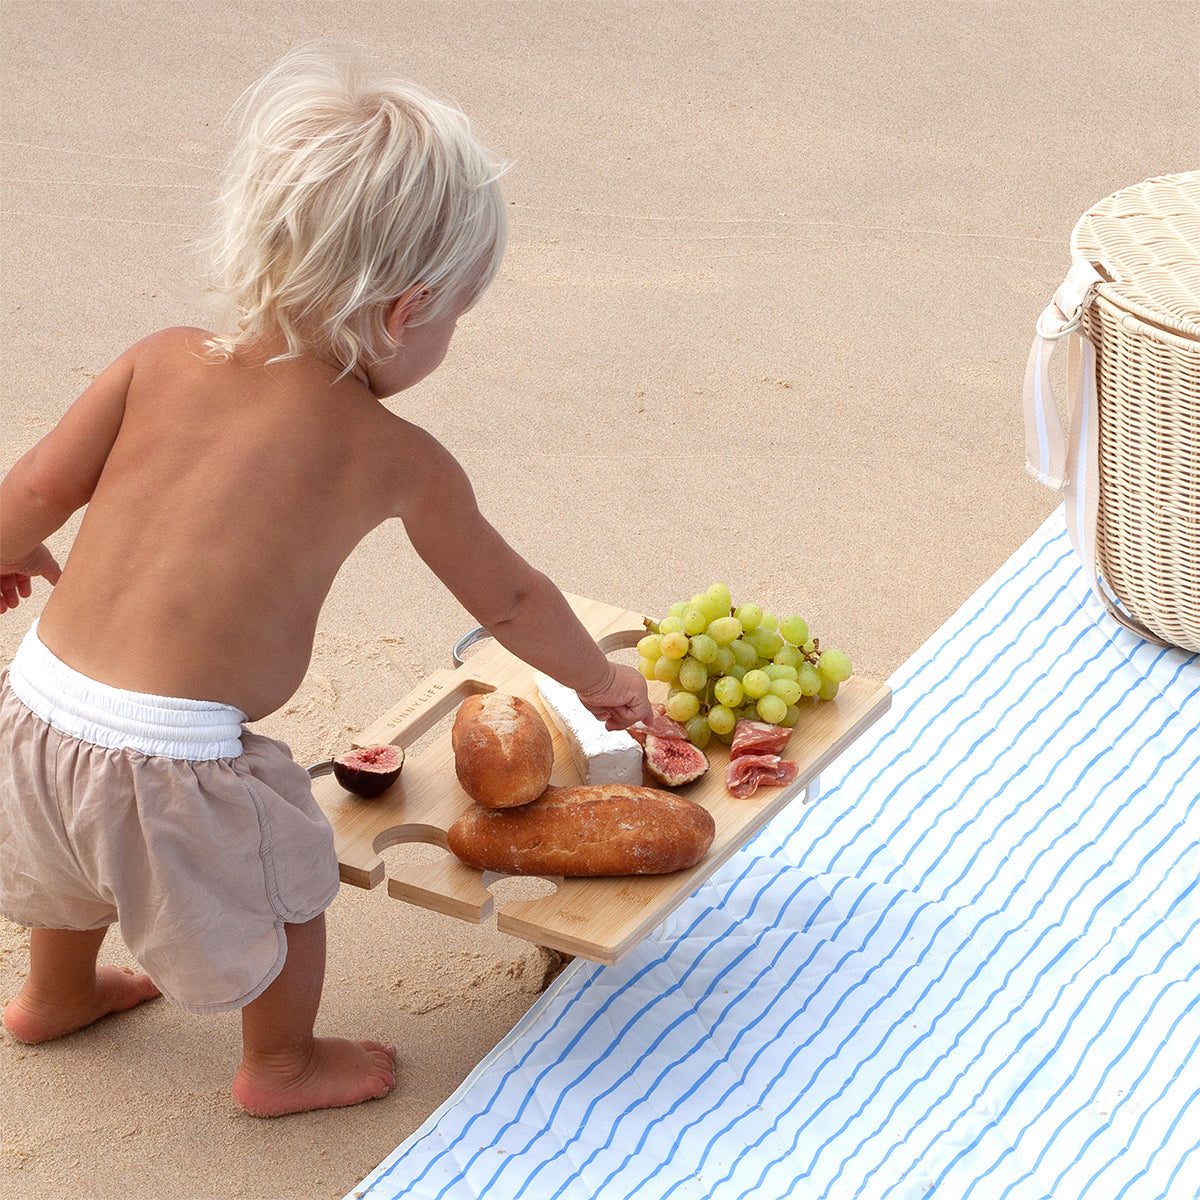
column 503, row 753
column 601, row 829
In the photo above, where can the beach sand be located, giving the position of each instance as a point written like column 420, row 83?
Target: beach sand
column 773, row 276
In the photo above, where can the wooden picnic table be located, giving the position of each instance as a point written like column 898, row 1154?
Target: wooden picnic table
column 600, row 919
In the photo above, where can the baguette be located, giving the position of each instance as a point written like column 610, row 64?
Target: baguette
column 601, row 829
column 503, row 752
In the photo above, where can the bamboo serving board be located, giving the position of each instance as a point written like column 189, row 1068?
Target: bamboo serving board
column 597, row 919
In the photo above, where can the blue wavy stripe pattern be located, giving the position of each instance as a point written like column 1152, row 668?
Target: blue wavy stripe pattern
column 969, row 969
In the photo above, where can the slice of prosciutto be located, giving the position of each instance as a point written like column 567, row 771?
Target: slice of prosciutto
column 660, row 725
column 746, row 773
column 757, row 737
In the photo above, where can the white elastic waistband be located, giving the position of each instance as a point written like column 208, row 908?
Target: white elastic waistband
column 108, row 716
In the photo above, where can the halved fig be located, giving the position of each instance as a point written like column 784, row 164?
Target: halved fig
column 369, row 771
column 674, row 761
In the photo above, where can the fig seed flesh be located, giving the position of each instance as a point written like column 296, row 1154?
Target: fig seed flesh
column 369, row 771
column 673, row 761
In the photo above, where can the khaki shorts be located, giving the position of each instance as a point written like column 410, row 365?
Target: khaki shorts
column 200, row 838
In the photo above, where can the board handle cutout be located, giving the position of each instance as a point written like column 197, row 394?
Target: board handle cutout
column 424, row 707
column 621, row 639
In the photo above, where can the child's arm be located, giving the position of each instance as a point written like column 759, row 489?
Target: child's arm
column 56, row 478
column 512, row 600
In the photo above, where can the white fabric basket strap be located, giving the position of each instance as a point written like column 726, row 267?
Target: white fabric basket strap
column 1067, row 461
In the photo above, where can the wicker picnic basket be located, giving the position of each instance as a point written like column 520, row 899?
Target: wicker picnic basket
column 1142, row 317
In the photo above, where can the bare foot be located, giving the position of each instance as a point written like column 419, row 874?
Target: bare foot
column 333, row 1074
column 32, row 1018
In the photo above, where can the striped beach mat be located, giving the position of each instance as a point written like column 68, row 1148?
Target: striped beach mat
column 969, row 967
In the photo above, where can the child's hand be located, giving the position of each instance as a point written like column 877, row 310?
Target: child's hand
column 621, row 700
column 16, row 578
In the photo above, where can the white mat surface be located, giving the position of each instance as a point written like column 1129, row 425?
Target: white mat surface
column 969, row 968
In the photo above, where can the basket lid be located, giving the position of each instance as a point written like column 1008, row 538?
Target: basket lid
column 1146, row 240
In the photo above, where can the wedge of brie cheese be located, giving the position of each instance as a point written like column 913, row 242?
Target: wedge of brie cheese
column 601, row 755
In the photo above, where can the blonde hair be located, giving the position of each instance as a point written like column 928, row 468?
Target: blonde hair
column 343, row 194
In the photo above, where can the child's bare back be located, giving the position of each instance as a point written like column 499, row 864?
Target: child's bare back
column 231, row 495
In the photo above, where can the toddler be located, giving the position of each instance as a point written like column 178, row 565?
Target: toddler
column 226, row 480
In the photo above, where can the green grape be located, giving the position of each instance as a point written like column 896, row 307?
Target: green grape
column 756, row 683
column 699, row 731
column 674, row 645
column 666, row 670
column 718, row 593
column 794, row 630
column 724, row 629
column 808, row 679
column 650, row 646
column 750, row 615
column 682, row 706
column 723, row 661
column 732, row 659
column 744, row 654
column 766, row 642
column 721, row 720
column 834, row 666
column 728, row 691
column 693, row 675
column 788, row 656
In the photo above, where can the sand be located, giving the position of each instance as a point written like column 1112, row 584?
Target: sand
column 773, row 277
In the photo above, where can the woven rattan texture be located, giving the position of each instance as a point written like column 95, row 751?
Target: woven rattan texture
column 1146, row 239
column 1145, row 326
column 1148, row 528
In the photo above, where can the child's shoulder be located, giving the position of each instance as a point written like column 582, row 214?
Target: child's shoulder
column 175, row 343
column 154, row 353
column 413, row 465
column 177, row 339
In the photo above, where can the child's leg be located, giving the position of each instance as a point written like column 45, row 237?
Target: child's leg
column 284, row 1068
column 65, row 990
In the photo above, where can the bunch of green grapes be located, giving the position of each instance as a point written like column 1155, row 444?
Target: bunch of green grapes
column 724, row 663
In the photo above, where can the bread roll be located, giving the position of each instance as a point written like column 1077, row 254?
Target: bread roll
column 503, row 754
column 601, row 829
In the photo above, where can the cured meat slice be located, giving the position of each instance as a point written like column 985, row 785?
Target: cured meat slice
column 660, row 725
column 746, row 774
column 757, row 737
